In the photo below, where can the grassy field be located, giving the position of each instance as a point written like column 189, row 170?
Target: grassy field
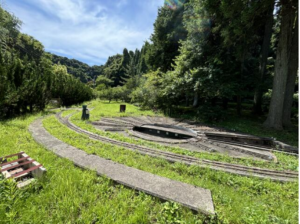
column 71, row 195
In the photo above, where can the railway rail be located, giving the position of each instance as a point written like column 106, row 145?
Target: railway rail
column 283, row 176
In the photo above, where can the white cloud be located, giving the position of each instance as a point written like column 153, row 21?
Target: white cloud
column 83, row 31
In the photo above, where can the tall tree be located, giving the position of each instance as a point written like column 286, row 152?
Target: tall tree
column 292, row 75
column 9, row 29
column 257, row 107
column 27, row 77
column 283, row 79
column 240, row 29
column 168, row 31
column 112, row 68
column 126, row 58
column 137, row 55
column 144, row 56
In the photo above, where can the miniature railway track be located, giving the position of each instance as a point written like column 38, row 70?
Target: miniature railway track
column 202, row 130
column 266, row 149
column 231, row 143
column 283, row 176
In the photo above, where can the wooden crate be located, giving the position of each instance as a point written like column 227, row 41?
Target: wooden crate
column 21, row 168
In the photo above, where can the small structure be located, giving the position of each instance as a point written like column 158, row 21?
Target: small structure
column 85, row 113
column 122, row 108
column 23, row 169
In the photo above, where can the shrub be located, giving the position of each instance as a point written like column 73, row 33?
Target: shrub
column 210, row 113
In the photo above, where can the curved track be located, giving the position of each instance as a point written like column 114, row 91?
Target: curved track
column 283, row 176
column 248, row 148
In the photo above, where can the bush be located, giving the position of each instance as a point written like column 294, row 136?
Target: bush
column 210, row 113
column 114, row 93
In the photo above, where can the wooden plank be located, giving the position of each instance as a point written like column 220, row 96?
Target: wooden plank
column 12, row 155
column 14, row 161
column 18, row 165
column 15, row 171
column 27, row 171
column 38, row 173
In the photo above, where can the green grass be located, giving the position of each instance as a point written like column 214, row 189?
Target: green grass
column 68, row 194
column 68, row 112
column 237, row 199
column 71, row 195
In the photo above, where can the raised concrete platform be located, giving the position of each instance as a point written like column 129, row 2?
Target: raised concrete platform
column 193, row 197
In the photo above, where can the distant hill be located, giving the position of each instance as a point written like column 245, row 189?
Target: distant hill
column 117, row 68
column 79, row 69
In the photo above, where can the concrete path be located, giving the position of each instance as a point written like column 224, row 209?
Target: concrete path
column 193, row 197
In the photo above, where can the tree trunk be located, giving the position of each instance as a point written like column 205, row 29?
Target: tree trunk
column 291, row 80
column 196, row 100
column 275, row 116
column 241, row 75
column 257, row 107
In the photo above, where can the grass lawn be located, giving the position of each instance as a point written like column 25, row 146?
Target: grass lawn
column 71, row 195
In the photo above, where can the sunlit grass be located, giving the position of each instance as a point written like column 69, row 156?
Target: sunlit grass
column 68, row 194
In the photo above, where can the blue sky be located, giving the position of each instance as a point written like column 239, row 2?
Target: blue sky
column 87, row 30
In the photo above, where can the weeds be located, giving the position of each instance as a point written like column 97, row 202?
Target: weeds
column 10, row 196
column 171, row 214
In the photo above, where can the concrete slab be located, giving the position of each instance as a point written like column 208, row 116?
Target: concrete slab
column 193, row 197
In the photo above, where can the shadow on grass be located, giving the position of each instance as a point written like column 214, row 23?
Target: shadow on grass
column 249, row 124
